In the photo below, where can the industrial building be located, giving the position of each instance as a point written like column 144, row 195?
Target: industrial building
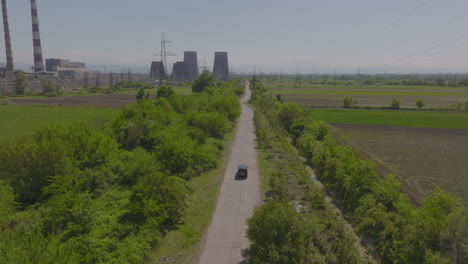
column 65, row 68
column 221, row 65
column 191, row 65
column 54, row 65
column 186, row 70
column 157, row 70
column 178, row 71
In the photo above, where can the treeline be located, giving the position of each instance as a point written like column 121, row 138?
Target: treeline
column 436, row 232
column 296, row 224
column 87, row 194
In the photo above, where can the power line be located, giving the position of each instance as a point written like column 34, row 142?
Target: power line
column 398, row 19
column 425, row 51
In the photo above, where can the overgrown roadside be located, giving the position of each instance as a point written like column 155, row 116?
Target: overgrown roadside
column 323, row 236
column 181, row 245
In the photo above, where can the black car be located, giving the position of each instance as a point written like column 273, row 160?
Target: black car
column 242, row 171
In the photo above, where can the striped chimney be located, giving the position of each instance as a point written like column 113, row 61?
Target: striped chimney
column 6, row 27
column 38, row 62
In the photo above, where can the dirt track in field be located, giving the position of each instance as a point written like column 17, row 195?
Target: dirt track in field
column 100, row 101
column 225, row 240
column 421, row 157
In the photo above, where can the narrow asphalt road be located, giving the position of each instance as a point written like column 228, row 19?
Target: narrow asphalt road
column 226, row 240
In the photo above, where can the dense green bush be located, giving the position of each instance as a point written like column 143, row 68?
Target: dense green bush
column 287, row 239
column 88, row 195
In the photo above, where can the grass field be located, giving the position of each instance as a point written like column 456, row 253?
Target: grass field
column 421, row 157
column 452, row 120
column 17, row 120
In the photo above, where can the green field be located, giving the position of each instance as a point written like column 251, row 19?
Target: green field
column 394, row 118
column 331, row 96
column 291, row 86
column 396, row 93
column 16, row 120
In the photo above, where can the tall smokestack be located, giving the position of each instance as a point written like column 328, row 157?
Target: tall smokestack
column 9, row 54
column 38, row 62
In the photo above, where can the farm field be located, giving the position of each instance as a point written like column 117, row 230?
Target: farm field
column 421, row 157
column 115, row 100
column 332, row 95
column 18, row 120
column 454, row 120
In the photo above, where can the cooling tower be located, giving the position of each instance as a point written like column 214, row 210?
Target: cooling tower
column 157, row 70
column 6, row 27
column 38, row 62
column 178, row 71
column 221, row 66
column 191, row 65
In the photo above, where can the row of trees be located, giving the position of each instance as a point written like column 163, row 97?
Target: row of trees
column 436, row 232
column 87, row 194
column 349, row 102
column 296, row 225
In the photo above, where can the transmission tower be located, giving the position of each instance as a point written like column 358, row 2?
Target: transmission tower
column 298, row 80
column 163, row 54
column 203, row 62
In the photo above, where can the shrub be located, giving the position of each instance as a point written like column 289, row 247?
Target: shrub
column 205, row 80
column 347, row 102
column 20, row 83
column 164, row 91
column 420, row 103
column 286, row 240
column 395, row 103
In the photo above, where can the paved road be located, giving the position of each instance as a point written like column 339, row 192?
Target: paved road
column 226, row 240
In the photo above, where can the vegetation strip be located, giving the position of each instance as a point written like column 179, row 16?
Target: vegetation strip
column 296, row 224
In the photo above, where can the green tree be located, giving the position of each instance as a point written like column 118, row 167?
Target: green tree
column 395, row 103
column 420, row 103
column 141, row 95
column 205, row 80
column 164, row 91
column 49, row 87
column 160, row 197
column 20, row 83
column 347, row 102
column 288, row 113
column 7, row 202
column 279, row 235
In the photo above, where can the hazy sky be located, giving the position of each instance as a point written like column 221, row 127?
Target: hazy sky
column 311, row 36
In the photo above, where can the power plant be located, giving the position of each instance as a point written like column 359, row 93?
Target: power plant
column 38, row 61
column 221, row 65
column 186, row 70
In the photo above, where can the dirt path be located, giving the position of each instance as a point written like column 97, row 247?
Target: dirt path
column 225, row 238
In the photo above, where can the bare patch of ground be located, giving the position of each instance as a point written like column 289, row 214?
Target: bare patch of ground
column 421, row 157
column 101, row 101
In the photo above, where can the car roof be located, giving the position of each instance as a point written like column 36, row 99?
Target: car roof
column 242, row 166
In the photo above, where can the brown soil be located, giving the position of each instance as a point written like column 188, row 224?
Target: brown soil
column 421, row 157
column 102, row 101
